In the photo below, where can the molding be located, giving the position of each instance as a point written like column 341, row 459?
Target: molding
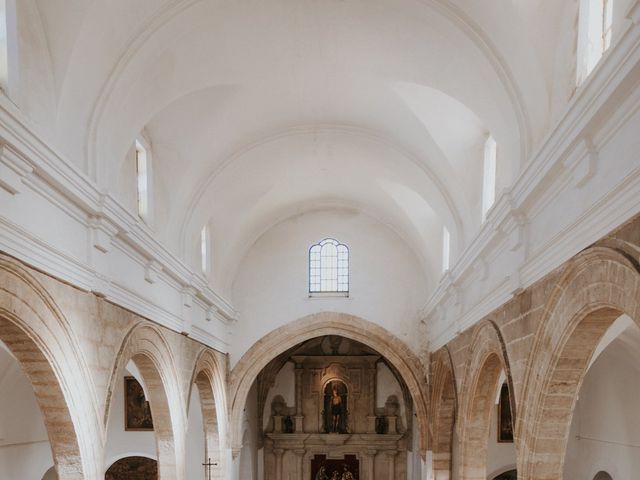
column 28, row 163
column 569, row 156
column 13, row 169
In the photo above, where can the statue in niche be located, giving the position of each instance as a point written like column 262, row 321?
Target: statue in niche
column 346, row 474
column 322, row 474
column 288, row 424
column 335, row 407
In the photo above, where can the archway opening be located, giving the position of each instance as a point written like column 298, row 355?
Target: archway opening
column 605, row 427
column 204, row 449
column 38, row 423
column 133, row 468
column 328, row 402
column 25, row 451
column 140, row 422
column 562, row 381
column 130, row 432
column 444, row 412
column 487, row 440
column 50, row 474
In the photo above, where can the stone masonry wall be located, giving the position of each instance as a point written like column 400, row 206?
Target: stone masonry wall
column 543, row 337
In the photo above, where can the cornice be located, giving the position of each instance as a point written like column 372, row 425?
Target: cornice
column 25, row 159
column 569, row 156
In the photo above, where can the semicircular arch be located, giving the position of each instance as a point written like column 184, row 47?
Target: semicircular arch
column 328, row 323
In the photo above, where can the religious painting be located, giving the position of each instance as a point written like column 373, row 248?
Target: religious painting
column 137, row 412
column 346, row 468
column 336, row 399
column 505, row 422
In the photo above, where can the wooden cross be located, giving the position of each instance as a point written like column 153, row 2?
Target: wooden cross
column 208, row 466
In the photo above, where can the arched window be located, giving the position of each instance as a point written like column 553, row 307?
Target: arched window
column 594, row 37
column 489, row 175
column 329, row 267
column 8, row 42
column 142, row 180
column 205, row 245
column 446, row 249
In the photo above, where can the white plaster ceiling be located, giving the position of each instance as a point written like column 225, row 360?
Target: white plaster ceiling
column 258, row 110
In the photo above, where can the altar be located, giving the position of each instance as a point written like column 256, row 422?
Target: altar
column 337, row 427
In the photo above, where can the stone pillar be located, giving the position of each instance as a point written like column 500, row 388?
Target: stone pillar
column 392, row 422
column 299, row 416
column 277, row 423
column 278, row 452
column 391, row 457
column 368, row 463
column 371, row 414
column 299, row 461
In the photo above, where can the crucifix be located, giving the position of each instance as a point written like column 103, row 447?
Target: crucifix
column 208, row 466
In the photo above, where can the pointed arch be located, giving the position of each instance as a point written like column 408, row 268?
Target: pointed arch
column 38, row 335
column 444, row 408
column 595, row 288
column 487, row 360
column 146, row 347
column 209, row 376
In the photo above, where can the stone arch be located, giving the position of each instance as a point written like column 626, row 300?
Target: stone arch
column 602, row 475
column 487, row 360
column 444, row 407
column 210, row 378
column 149, row 351
column 38, row 335
column 137, row 467
column 50, row 474
column 317, row 325
column 596, row 287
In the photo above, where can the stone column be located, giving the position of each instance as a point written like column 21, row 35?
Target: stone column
column 392, row 422
column 299, row 415
column 299, row 462
column 371, row 414
column 277, row 423
column 278, row 452
column 391, row 457
column 368, row 463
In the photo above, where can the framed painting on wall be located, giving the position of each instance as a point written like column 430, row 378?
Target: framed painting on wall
column 137, row 412
column 505, row 423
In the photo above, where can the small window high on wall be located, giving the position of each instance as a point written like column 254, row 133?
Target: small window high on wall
column 446, row 249
column 204, row 249
column 7, row 41
column 489, row 175
column 594, row 34
column 143, row 179
column 329, row 268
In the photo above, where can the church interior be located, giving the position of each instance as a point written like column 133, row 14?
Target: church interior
column 319, row 239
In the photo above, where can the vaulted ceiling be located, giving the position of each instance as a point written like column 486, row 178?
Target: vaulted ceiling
column 259, row 110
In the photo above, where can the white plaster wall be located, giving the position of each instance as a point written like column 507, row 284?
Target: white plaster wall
column 605, row 431
column 271, row 288
column 501, row 457
column 195, row 438
column 386, row 385
column 121, row 443
column 247, row 462
column 25, row 452
column 285, row 386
